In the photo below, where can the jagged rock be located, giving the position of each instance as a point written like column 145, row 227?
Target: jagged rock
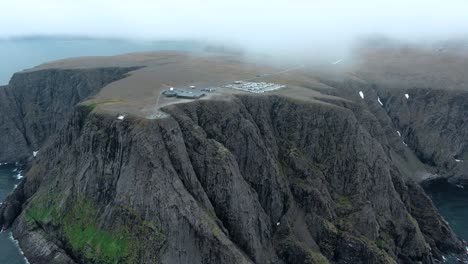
column 36, row 104
column 252, row 179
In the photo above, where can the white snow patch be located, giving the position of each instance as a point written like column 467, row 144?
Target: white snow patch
column 460, row 186
column 35, row 153
column 19, row 248
column 444, row 259
column 407, row 96
column 192, row 86
column 457, row 160
column 399, row 134
column 15, row 170
column 278, row 223
column 14, row 187
column 380, row 102
column 361, row 94
column 336, row 62
column 19, row 176
column 121, row 117
column 405, row 143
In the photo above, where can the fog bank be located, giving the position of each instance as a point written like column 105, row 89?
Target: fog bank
column 282, row 27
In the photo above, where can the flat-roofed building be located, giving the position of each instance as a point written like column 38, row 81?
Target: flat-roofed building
column 179, row 93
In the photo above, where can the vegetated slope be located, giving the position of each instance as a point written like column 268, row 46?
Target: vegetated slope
column 262, row 179
column 35, row 104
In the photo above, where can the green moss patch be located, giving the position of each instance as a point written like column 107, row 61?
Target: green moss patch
column 375, row 248
column 84, row 236
column 90, row 106
column 329, row 226
column 44, row 209
column 292, row 251
column 344, row 202
column 120, row 242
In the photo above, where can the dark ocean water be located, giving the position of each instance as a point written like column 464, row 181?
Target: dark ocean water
column 452, row 202
column 20, row 54
column 9, row 250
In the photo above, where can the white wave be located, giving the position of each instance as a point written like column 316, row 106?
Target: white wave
column 19, row 176
column 18, row 246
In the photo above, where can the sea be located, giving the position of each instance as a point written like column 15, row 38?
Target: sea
column 23, row 53
column 10, row 177
column 452, row 202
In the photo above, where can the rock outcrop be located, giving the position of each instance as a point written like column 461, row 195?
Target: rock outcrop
column 35, row 104
column 252, row 179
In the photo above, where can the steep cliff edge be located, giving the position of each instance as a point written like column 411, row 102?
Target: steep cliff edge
column 239, row 178
column 35, row 104
column 263, row 179
column 430, row 124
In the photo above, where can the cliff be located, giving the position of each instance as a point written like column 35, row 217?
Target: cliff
column 35, row 104
column 245, row 179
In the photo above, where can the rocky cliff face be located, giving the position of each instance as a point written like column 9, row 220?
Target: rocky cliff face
column 430, row 122
column 434, row 123
column 35, row 104
column 253, row 179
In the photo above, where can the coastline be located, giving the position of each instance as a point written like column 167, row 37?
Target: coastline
column 12, row 176
column 19, row 247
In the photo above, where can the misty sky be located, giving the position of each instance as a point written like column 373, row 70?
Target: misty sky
column 250, row 23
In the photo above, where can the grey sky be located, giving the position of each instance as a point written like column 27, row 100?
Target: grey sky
column 290, row 24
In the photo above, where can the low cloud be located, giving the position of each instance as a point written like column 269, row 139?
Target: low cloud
column 265, row 26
